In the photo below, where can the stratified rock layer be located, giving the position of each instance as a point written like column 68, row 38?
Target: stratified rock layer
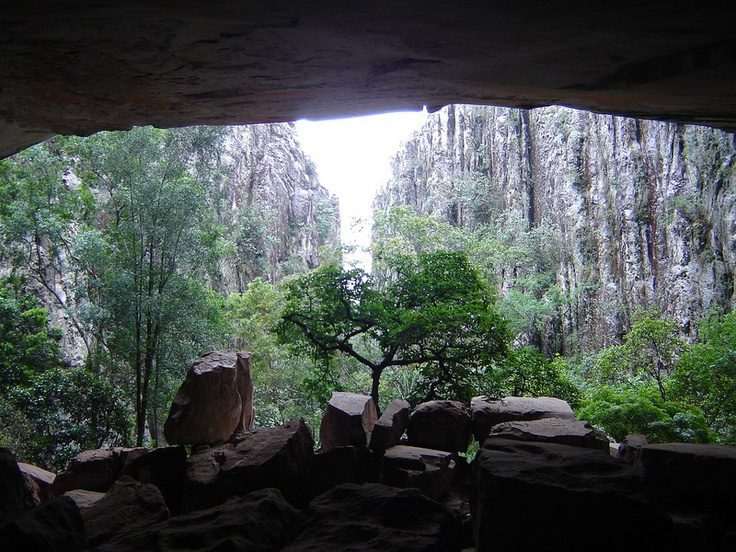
column 553, row 430
column 215, row 401
column 489, row 412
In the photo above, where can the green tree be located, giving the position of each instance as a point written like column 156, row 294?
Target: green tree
column 436, row 312
column 151, row 246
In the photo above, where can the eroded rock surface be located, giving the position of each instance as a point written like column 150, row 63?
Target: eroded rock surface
column 276, row 457
column 489, row 412
column 378, row 518
column 214, row 403
column 348, row 421
column 553, row 430
column 441, row 425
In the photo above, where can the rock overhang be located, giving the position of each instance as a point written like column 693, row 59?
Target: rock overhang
column 76, row 67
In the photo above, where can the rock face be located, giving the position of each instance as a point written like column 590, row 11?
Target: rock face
column 430, row 471
column 638, row 212
column 128, row 506
column 377, row 518
column 225, row 64
column 553, row 430
column 391, row 426
column 259, row 522
column 546, row 496
column 348, row 420
column 215, row 401
column 441, row 425
column 489, row 412
column 40, row 479
column 265, row 457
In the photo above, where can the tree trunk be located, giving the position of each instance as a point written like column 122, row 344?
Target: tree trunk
column 376, row 375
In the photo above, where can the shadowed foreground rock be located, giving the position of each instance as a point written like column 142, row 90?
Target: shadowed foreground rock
column 214, row 403
column 259, row 522
column 16, row 497
column 441, row 425
column 84, row 499
column 55, row 525
column 378, row 518
column 166, row 468
column 276, row 457
column 560, row 498
column 342, row 465
column 553, row 430
column 390, row 426
column 348, row 421
column 39, row 479
column 489, row 412
column 430, row 471
column 129, row 505
column 95, row 470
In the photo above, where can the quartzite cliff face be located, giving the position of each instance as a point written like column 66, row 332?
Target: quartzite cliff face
column 645, row 211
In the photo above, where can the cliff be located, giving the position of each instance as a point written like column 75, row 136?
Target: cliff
column 644, row 212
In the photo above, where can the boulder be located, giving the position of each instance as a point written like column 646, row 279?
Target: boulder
column 489, row 412
column 84, row 499
column 40, row 479
column 390, row 426
column 564, row 431
column 166, row 468
column 277, row 457
column 128, row 506
column 348, row 421
column 441, row 425
column 553, row 497
column 430, row 471
column 16, row 496
column 95, row 470
column 262, row 521
column 342, row 465
column 56, row 525
column 214, row 403
column 374, row 517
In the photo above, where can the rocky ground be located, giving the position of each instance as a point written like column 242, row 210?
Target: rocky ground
column 542, row 480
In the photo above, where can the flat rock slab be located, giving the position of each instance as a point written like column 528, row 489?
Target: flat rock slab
column 430, row 471
column 214, row 403
column 277, row 457
column 564, row 431
column 489, row 412
column 441, row 425
column 552, row 497
column 373, row 517
column 262, row 521
column 95, row 470
column 390, row 427
column 129, row 505
column 348, row 421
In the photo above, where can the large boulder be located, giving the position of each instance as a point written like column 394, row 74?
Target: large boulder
column 342, row 465
column 214, row 403
column 561, row 498
column 348, row 421
column 441, row 425
column 277, row 457
column 564, row 431
column 390, row 427
column 95, row 470
column 262, row 521
column 373, row 517
column 166, row 468
column 430, row 471
column 128, row 506
column 39, row 479
column 489, row 412
column 16, row 496
column 56, row 525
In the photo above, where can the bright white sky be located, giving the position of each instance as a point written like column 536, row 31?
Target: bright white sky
column 353, row 159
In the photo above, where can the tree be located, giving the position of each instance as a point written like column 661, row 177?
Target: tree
column 146, row 256
column 436, row 312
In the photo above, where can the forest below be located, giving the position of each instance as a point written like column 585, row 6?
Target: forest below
column 135, row 241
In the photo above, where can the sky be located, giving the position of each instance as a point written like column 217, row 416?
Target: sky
column 353, row 159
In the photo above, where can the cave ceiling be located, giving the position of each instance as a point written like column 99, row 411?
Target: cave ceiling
column 80, row 67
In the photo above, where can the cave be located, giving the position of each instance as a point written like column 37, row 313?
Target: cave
column 77, row 68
